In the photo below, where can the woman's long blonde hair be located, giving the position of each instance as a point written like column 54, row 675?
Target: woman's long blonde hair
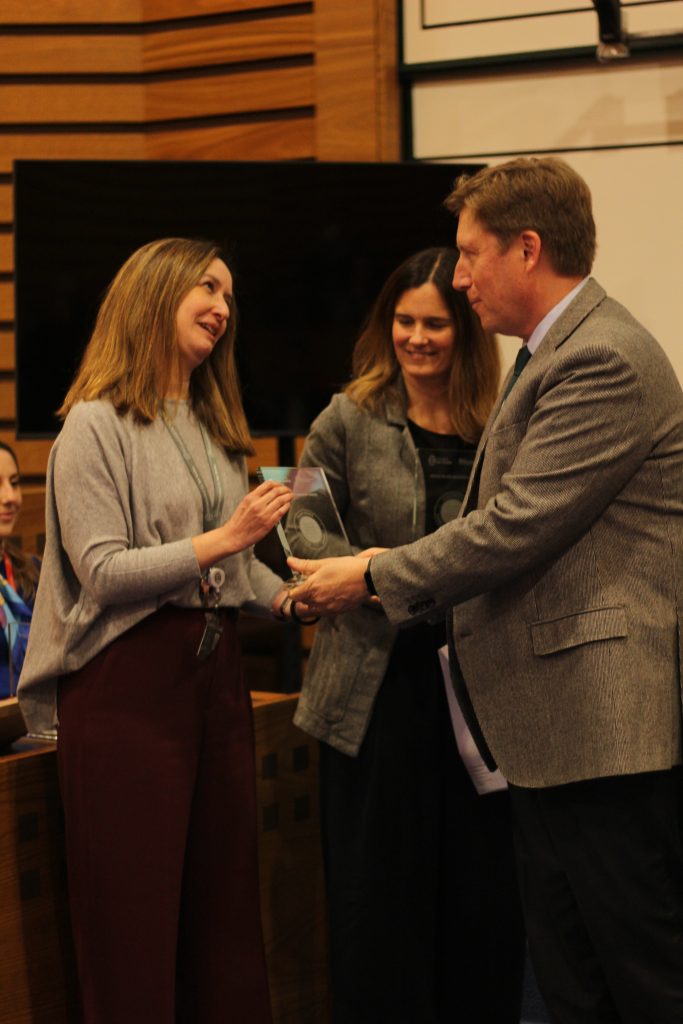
column 132, row 355
column 475, row 370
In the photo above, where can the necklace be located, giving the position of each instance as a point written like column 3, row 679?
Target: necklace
column 212, row 579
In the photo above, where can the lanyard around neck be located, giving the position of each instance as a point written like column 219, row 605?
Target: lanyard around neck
column 212, row 510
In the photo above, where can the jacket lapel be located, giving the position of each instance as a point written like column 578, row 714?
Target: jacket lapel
column 590, row 296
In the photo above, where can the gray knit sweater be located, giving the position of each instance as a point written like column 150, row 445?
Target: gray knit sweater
column 121, row 510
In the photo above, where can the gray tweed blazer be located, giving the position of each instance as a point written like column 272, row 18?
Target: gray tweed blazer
column 566, row 568
column 371, row 464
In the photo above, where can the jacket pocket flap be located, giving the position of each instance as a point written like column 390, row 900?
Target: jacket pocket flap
column 581, row 628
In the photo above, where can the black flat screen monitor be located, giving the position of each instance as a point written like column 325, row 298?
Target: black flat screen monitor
column 309, row 245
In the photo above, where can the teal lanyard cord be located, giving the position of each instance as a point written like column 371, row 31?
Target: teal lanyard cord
column 212, row 510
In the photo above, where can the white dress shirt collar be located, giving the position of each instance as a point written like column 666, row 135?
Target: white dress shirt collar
column 549, row 319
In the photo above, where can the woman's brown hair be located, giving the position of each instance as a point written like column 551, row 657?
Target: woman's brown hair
column 132, row 355
column 475, row 370
column 25, row 566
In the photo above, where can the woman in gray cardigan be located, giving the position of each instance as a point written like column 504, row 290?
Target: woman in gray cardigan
column 148, row 557
column 425, row 921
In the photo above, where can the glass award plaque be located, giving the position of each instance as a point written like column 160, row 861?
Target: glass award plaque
column 312, row 528
column 446, row 472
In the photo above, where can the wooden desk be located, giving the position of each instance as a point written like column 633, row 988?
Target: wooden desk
column 37, row 976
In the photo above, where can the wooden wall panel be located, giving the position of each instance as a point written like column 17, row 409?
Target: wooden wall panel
column 6, row 254
column 357, row 95
column 295, row 81
column 33, row 456
column 6, row 349
column 285, row 139
column 119, row 12
column 33, row 54
column 195, row 46
column 8, row 406
column 245, row 92
column 6, row 302
column 158, row 10
column 31, row 523
column 231, row 43
column 265, row 454
column 87, row 102
column 289, row 138
column 69, row 145
column 5, row 203
column 157, row 100
column 66, row 12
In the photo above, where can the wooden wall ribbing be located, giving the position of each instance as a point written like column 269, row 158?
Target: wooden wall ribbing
column 168, row 80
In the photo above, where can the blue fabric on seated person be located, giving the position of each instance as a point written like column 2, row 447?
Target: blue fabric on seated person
column 18, row 577
column 14, row 613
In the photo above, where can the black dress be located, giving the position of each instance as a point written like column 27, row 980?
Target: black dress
column 425, row 920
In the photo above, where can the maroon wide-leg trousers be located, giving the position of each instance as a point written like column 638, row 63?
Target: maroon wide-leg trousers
column 156, row 763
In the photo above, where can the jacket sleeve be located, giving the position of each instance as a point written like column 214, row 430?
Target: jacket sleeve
column 553, row 476
column 326, row 447
column 92, row 497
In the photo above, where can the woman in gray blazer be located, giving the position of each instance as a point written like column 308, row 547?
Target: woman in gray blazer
column 425, row 922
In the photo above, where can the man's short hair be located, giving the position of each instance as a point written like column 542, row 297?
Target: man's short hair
column 542, row 194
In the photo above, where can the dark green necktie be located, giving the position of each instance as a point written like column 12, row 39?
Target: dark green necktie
column 523, row 357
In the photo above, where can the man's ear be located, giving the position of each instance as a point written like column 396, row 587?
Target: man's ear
column 531, row 248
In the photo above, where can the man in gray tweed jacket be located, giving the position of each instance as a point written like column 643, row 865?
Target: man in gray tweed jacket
column 565, row 575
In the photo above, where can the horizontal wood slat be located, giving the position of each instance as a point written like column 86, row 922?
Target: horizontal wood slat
column 232, row 43
column 288, row 139
column 157, row 10
column 70, row 54
column 40, row 103
column 247, row 92
column 186, row 97
column 119, row 12
column 32, row 455
column 6, row 349
column 30, row 526
column 6, row 212
column 8, row 405
column 6, row 301
column 6, row 254
column 195, row 46
column 65, row 12
column 265, row 454
column 91, row 145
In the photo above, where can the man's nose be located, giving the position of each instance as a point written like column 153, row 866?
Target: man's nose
column 461, row 279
